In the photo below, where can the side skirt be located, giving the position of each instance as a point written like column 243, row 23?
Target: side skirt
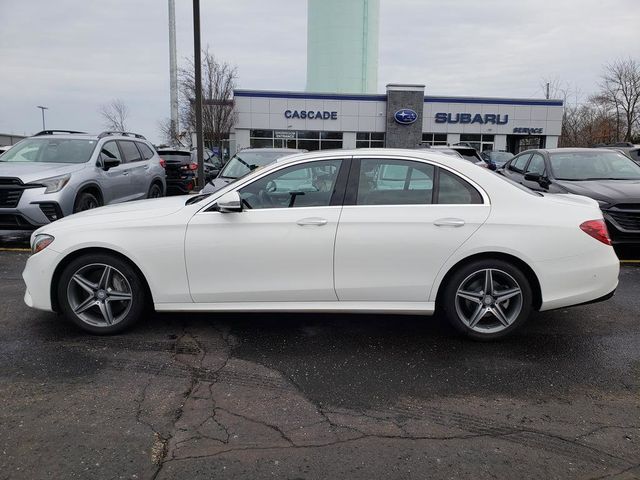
column 406, row 308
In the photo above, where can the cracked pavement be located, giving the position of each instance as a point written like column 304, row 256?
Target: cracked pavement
column 319, row 396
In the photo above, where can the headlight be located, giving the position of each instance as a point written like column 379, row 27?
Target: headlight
column 40, row 242
column 54, row 184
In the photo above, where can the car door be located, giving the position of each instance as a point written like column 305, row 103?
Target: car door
column 516, row 167
column 400, row 222
column 135, row 170
column 114, row 182
column 279, row 248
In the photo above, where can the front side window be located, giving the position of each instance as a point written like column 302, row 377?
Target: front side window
column 50, row 150
column 130, row 152
column 395, row 182
column 309, row 184
column 536, row 165
column 518, row 163
column 110, row 150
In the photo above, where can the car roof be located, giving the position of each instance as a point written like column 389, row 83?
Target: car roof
column 568, row 150
column 292, row 150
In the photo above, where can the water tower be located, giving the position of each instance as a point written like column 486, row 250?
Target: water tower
column 342, row 46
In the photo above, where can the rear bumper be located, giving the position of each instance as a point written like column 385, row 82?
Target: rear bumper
column 578, row 279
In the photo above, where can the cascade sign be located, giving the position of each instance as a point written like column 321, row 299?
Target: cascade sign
column 487, row 118
column 311, row 114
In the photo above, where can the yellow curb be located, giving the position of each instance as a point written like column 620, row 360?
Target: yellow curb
column 15, row 249
column 629, row 261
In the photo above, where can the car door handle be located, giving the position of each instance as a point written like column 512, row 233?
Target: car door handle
column 312, row 221
column 449, row 222
column 126, row 172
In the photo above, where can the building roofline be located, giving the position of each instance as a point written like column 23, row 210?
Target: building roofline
column 383, row 98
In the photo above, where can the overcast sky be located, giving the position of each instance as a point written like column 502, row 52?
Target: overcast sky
column 74, row 55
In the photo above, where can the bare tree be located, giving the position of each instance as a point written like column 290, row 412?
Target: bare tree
column 170, row 136
column 218, row 82
column 114, row 115
column 620, row 88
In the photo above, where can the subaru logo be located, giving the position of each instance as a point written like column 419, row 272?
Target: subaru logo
column 405, row 116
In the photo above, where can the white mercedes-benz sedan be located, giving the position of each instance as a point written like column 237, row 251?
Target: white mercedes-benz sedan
column 379, row 230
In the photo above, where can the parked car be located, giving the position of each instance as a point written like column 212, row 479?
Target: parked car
column 244, row 162
column 498, row 157
column 332, row 231
column 607, row 176
column 468, row 153
column 58, row 172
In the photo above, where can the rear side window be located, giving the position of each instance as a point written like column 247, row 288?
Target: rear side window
column 453, row 190
column 395, row 182
column 129, row 151
column 518, row 163
column 146, row 152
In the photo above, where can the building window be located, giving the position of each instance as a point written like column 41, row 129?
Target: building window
column 369, row 140
column 478, row 141
column 303, row 139
column 434, row 138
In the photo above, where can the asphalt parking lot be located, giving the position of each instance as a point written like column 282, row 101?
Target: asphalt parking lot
column 319, row 396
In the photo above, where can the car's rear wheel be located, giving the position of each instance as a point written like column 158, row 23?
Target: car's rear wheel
column 86, row 201
column 102, row 294
column 155, row 191
column 487, row 299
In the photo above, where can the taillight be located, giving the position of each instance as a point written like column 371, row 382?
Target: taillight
column 190, row 186
column 163, row 164
column 597, row 229
column 193, row 166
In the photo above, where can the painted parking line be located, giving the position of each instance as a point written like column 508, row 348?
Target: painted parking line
column 15, row 249
column 629, row 261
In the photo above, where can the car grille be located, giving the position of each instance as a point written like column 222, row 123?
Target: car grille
column 11, row 190
column 625, row 216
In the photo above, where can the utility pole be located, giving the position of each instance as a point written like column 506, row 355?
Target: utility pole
column 43, row 109
column 173, row 71
column 198, row 80
column 547, row 90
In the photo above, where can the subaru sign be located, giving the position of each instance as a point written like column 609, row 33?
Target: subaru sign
column 405, row 116
column 487, row 118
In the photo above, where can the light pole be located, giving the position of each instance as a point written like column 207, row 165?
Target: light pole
column 198, row 82
column 43, row 109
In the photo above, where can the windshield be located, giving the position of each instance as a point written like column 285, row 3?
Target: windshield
column 50, row 150
column 593, row 166
column 500, row 157
column 244, row 162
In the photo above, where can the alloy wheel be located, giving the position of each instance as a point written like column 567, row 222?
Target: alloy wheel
column 488, row 301
column 100, row 295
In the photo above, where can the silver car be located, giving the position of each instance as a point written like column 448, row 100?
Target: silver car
column 56, row 173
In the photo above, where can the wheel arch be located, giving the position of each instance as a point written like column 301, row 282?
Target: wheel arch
column 93, row 188
column 55, row 306
column 517, row 262
column 158, row 181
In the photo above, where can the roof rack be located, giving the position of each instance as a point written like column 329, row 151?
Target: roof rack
column 53, row 132
column 125, row 134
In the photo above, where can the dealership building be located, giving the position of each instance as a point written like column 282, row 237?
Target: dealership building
column 404, row 117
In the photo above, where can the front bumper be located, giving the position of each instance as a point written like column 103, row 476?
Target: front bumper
column 37, row 276
column 35, row 209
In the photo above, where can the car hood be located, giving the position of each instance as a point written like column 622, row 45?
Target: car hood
column 609, row 191
column 216, row 184
column 30, row 172
column 121, row 212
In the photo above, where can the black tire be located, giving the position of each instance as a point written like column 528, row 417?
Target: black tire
column 155, row 191
column 124, row 278
column 463, row 304
column 86, row 201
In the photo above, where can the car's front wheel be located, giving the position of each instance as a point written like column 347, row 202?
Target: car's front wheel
column 86, row 201
column 487, row 299
column 101, row 293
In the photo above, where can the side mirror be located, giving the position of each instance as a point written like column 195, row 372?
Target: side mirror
column 108, row 163
column 536, row 177
column 229, row 202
